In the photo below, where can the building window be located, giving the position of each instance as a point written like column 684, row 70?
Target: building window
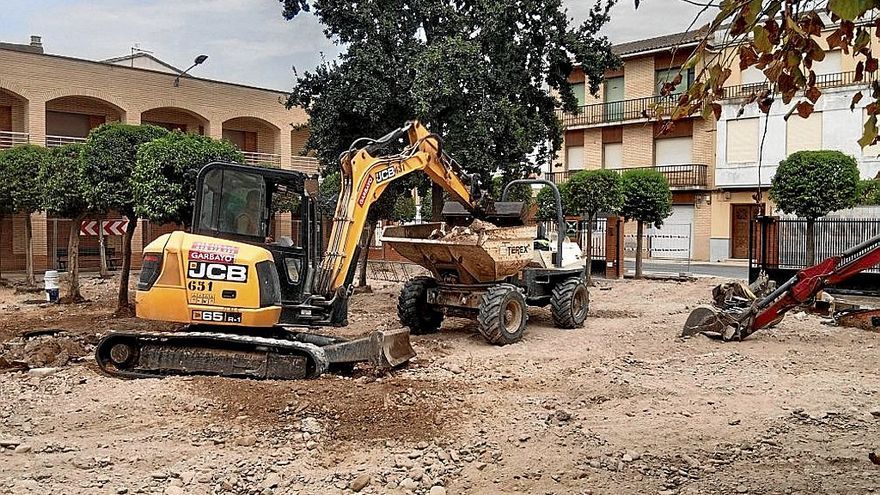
column 803, row 134
column 668, row 75
column 829, row 68
column 69, row 124
column 742, row 141
column 674, row 151
column 579, row 90
column 612, row 156
column 574, row 158
column 752, row 76
column 245, row 140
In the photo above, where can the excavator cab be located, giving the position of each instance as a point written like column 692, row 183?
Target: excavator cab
column 239, row 203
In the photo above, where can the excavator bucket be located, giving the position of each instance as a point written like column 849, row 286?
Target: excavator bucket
column 703, row 319
column 383, row 349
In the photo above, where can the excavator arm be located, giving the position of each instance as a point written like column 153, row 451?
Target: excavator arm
column 365, row 176
column 733, row 321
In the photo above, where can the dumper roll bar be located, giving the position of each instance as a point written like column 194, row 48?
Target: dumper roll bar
column 560, row 218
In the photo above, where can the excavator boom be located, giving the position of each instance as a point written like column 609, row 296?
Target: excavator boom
column 365, row 177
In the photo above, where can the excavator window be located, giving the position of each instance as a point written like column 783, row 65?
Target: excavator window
column 234, row 202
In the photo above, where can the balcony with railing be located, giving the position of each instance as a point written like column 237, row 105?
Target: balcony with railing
column 620, row 111
column 823, row 81
column 56, row 141
column 306, row 164
column 656, row 106
column 8, row 139
column 262, row 159
column 686, row 176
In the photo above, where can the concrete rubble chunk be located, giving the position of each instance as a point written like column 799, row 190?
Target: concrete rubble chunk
column 360, row 482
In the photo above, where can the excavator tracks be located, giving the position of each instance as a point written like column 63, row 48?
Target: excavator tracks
column 158, row 354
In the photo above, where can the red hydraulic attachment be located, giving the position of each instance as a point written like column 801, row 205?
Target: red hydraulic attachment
column 734, row 321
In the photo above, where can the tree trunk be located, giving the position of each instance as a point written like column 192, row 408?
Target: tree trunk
column 122, row 305
column 811, row 242
column 29, row 249
column 589, row 254
column 436, row 203
column 365, row 255
column 102, row 249
column 639, row 230
column 73, row 292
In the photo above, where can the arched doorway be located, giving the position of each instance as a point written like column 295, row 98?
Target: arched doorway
column 70, row 118
column 13, row 119
column 258, row 139
column 174, row 118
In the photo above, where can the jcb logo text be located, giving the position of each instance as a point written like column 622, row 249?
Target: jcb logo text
column 217, row 271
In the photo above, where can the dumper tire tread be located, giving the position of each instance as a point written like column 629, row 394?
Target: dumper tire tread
column 562, row 303
column 413, row 309
column 490, row 319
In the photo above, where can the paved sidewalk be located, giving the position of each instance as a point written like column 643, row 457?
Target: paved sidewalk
column 727, row 269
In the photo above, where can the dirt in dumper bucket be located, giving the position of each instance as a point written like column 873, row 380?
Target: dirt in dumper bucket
column 469, row 233
column 350, row 410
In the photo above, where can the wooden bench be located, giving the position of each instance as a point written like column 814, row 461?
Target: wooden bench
column 88, row 253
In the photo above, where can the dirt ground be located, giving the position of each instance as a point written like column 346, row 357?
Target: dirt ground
column 621, row 406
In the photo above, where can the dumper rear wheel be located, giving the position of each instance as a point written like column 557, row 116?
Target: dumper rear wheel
column 503, row 315
column 570, row 303
column 413, row 308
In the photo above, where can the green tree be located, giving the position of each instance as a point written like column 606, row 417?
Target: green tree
column 868, row 192
column 164, row 178
column 63, row 186
column 18, row 174
column 646, row 199
column 519, row 192
column 812, row 184
column 404, row 209
column 546, row 201
column 484, row 75
column 591, row 192
column 108, row 160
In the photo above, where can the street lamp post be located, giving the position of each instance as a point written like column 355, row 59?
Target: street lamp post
column 198, row 61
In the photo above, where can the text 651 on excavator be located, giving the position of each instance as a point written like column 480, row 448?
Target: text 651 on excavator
column 244, row 298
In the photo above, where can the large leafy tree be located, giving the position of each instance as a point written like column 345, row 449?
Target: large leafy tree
column 108, row 160
column 21, row 188
column 481, row 73
column 591, row 192
column 646, row 199
column 812, row 184
column 164, row 178
column 63, row 186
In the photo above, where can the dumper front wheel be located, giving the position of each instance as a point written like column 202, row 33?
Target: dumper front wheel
column 503, row 314
column 413, row 308
column 570, row 303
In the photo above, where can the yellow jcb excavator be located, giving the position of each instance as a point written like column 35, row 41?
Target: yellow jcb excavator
column 244, row 298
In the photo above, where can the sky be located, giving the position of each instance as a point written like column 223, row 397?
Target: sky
column 247, row 41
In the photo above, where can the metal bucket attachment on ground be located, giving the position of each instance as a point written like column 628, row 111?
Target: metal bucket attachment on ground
column 703, row 319
column 383, row 349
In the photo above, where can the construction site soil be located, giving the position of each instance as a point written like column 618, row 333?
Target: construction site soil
column 620, row 406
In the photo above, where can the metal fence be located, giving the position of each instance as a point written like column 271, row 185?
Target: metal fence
column 671, row 241
column 831, row 236
column 576, row 231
